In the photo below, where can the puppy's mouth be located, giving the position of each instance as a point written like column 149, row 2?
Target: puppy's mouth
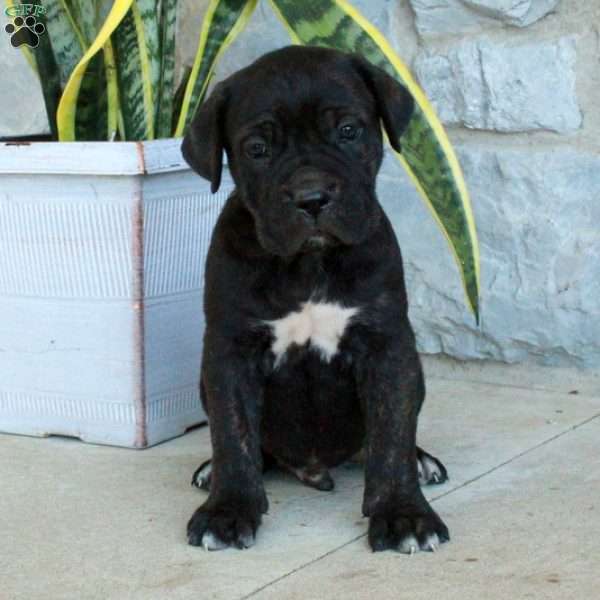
column 319, row 241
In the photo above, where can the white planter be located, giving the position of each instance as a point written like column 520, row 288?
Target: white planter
column 102, row 249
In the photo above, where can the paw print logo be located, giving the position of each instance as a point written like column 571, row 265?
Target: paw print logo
column 25, row 31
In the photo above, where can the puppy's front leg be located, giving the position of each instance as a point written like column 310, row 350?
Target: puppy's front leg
column 232, row 513
column 392, row 391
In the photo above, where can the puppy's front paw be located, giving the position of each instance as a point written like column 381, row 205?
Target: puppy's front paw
column 223, row 526
column 406, row 530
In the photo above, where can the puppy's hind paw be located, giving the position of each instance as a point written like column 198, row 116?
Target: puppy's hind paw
column 201, row 476
column 431, row 470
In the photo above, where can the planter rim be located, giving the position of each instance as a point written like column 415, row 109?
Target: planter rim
column 92, row 158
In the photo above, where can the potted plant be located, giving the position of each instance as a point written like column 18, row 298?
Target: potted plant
column 103, row 231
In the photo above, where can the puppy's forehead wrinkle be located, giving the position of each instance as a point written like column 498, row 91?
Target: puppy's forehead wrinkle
column 262, row 119
column 301, row 120
column 285, row 93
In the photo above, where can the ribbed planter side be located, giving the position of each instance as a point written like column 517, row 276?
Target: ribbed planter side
column 102, row 249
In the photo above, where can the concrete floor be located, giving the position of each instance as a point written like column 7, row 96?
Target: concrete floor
column 87, row 522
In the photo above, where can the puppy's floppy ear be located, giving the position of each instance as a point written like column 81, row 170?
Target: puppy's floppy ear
column 203, row 144
column 394, row 102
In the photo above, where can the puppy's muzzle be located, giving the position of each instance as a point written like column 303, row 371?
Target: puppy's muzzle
column 312, row 191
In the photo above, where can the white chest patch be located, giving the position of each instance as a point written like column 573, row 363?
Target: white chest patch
column 322, row 324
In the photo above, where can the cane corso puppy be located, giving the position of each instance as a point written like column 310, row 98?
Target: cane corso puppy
column 309, row 356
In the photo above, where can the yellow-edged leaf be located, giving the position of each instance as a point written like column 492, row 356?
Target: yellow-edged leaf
column 222, row 23
column 68, row 102
column 112, row 90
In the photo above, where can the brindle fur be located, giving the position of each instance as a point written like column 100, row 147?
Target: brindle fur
column 307, row 413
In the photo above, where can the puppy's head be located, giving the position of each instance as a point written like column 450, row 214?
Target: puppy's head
column 301, row 128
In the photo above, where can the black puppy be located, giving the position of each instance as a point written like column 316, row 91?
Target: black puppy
column 309, row 356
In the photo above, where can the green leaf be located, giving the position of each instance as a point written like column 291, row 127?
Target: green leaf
column 66, row 38
column 49, row 75
column 84, row 13
column 427, row 154
column 150, row 36
column 222, row 23
column 66, row 22
column 166, row 91
column 179, row 94
column 67, row 109
column 92, row 103
column 113, row 121
column 138, row 68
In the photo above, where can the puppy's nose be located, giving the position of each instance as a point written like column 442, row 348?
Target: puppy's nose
column 313, row 196
column 311, row 200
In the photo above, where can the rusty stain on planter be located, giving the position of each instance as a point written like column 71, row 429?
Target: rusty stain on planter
column 139, row 148
column 137, row 264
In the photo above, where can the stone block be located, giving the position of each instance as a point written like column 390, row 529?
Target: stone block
column 488, row 85
column 540, row 258
column 459, row 16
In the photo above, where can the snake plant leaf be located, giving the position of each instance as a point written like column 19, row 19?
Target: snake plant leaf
column 97, row 104
column 222, row 23
column 136, row 44
column 84, row 13
column 427, row 154
column 179, row 94
column 149, row 15
column 166, row 88
column 67, row 109
column 49, row 76
column 68, row 42
column 114, row 118
column 71, row 29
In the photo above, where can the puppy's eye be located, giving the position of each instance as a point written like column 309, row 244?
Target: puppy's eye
column 348, row 132
column 256, row 148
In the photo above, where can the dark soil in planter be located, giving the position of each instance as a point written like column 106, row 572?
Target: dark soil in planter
column 25, row 139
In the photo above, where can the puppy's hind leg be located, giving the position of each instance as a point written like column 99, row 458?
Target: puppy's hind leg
column 201, row 476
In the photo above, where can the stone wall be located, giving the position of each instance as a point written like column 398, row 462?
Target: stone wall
column 517, row 83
